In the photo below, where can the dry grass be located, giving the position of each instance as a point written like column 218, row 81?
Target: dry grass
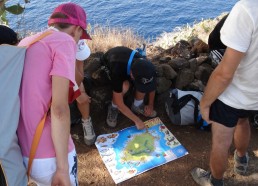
column 200, row 30
column 104, row 38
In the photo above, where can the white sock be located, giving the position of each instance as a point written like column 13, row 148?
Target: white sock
column 85, row 121
column 137, row 103
column 113, row 105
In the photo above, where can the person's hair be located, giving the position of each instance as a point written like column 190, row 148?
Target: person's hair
column 60, row 25
column 8, row 36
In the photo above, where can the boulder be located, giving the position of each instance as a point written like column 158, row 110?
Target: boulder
column 168, row 71
column 179, row 63
column 203, row 73
column 184, row 78
column 199, row 47
column 163, row 84
column 182, row 49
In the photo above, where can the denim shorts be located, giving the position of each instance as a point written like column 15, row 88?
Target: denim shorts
column 226, row 115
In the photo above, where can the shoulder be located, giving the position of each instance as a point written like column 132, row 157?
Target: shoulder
column 55, row 37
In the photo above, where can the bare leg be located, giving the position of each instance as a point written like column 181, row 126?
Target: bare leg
column 139, row 95
column 83, row 103
column 242, row 136
column 221, row 140
column 126, row 86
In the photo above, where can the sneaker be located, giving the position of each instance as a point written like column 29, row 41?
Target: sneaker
column 140, row 110
column 89, row 134
column 201, row 177
column 112, row 116
column 240, row 167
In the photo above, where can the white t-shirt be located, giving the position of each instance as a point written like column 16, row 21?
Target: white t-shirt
column 240, row 32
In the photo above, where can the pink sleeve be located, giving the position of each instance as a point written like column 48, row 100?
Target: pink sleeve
column 64, row 60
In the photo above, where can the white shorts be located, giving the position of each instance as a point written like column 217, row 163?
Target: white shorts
column 43, row 170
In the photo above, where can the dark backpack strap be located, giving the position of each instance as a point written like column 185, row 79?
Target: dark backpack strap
column 178, row 104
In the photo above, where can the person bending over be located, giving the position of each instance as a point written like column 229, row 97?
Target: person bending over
column 124, row 67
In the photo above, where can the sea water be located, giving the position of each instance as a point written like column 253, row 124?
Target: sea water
column 148, row 18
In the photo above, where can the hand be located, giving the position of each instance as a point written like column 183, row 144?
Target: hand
column 61, row 178
column 205, row 111
column 140, row 125
column 148, row 110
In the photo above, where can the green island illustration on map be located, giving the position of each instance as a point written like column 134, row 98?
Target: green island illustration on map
column 130, row 152
column 139, row 148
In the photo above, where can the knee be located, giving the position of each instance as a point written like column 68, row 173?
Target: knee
column 82, row 99
column 126, row 86
column 243, row 122
column 221, row 145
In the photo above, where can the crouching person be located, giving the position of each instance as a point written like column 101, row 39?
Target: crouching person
column 127, row 67
column 84, row 100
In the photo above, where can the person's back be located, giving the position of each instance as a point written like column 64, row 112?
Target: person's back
column 43, row 60
column 117, row 59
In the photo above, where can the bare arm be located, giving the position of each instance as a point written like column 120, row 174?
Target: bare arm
column 79, row 72
column 220, row 79
column 149, row 108
column 60, row 128
column 118, row 100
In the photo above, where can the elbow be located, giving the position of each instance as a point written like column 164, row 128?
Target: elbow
column 224, row 78
column 79, row 79
column 60, row 112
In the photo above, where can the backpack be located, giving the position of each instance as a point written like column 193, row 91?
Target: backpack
column 11, row 67
column 182, row 108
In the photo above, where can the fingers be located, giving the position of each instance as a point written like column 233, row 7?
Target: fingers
column 140, row 125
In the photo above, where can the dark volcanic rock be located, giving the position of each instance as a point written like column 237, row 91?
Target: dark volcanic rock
column 184, row 78
column 179, row 63
column 168, row 71
column 163, row 84
column 182, row 49
column 199, row 47
column 203, row 73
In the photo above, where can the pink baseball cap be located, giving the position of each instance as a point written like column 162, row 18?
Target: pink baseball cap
column 75, row 16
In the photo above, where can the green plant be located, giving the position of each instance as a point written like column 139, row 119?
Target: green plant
column 13, row 9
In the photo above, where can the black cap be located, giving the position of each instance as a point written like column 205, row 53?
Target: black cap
column 144, row 74
column 7, row 36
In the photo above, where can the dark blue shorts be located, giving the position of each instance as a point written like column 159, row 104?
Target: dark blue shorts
column 226, row 115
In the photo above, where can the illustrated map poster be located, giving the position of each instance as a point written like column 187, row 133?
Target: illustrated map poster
column 130, row 152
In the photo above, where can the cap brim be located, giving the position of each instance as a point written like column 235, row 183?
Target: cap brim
column 85, row 35
column 83, row 51
column 145, row 88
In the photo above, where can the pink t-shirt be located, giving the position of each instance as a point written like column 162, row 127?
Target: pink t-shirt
column 54, row 55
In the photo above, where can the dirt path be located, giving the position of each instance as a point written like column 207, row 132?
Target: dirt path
column 92, row 170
